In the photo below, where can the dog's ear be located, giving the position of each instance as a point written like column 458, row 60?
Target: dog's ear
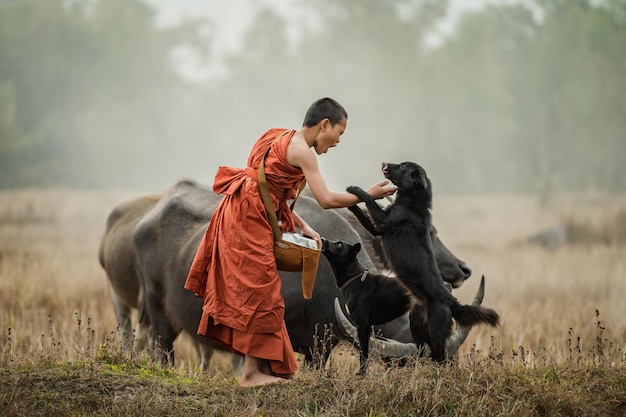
column 419, row 176
column 355, row 249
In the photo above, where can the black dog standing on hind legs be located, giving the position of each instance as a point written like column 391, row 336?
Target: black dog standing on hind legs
column 374, row 299
column 404, row 228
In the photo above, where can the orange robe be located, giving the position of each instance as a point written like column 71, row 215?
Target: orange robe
column 234, row 269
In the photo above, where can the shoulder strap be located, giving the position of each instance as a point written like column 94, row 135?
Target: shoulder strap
column 265, row 192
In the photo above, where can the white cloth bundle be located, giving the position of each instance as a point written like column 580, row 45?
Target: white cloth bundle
column 299, row 240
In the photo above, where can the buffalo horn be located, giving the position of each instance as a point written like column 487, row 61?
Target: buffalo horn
column 456, row 339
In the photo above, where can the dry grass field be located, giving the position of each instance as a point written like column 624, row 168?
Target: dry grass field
column 562, row 312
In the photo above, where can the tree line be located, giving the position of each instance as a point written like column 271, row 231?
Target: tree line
column 518, row 98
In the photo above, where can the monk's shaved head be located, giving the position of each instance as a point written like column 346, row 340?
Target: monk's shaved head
column 324, row 108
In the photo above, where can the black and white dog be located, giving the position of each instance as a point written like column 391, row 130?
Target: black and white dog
column 404, row 228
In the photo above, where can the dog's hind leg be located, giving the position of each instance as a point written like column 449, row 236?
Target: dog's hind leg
column 418, row 322
column 439, row 325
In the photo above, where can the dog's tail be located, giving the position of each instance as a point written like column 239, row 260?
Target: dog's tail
column 471, row 315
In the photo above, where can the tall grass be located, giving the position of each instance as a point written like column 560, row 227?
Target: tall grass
column 561, row 310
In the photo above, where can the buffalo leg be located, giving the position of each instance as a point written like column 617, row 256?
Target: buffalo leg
column 124, row 323
column 204, row 353
column 163, row 335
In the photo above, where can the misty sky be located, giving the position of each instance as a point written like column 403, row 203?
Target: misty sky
column 231, row 19
column 515, row 98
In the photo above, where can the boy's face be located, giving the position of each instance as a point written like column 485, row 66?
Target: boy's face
column 330, row 135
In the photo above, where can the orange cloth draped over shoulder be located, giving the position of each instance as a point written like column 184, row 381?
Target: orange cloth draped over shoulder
column 234, row 269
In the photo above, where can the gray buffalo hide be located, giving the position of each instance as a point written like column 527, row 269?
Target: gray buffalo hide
column 149, row 245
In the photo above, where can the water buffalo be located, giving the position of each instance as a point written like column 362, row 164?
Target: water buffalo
column 155, row 245
column 165, row 240
column 118, row 258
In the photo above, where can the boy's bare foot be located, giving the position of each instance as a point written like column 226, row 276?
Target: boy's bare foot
column 259, row 379
column 257, row 372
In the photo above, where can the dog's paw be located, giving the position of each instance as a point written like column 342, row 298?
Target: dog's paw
column 357, row 191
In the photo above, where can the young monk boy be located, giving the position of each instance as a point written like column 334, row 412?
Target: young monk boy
column 234, row 269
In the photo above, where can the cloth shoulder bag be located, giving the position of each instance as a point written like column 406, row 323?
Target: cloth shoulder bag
column 293, row 252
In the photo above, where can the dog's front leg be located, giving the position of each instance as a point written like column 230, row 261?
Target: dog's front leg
column 377, row 214
column 364, row 340
column 365, row 221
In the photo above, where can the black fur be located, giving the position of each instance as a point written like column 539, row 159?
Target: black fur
column 404, row 228
column 372, row 298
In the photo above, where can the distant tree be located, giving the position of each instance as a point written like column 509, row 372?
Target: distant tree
column 473, row 81
column 581, row 65
column 514, row 99
column 90, row 91
column 261, row 81
column 9, row 136
column 364, row 53
column 527, row 103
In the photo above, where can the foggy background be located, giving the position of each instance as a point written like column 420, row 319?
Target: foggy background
column 489, row 96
